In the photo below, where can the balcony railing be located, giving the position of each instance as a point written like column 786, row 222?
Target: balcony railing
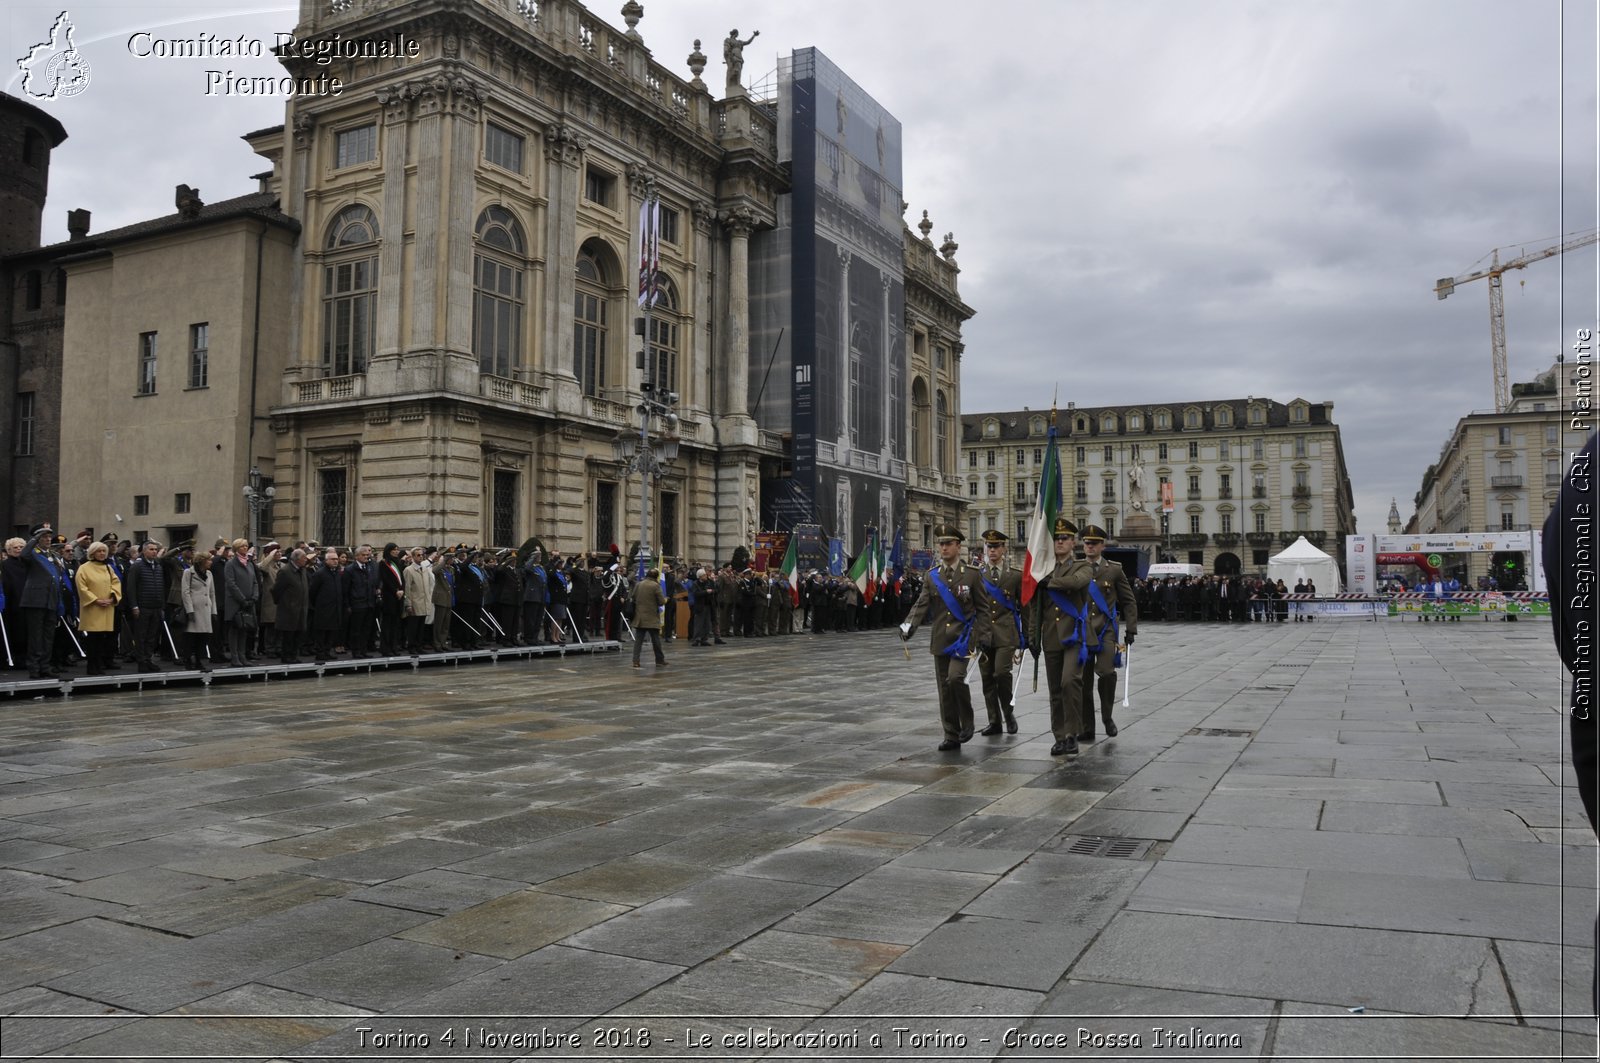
column 1224, row 492
column 1302, row 491
column 1505, row 481
column 1505, row 528
column 1259, row 538
column 1316, row 538
column 518, row 392
column 1195, row 495
column 1189, row 540
column 331, row 388
column 1226, row 538
column 1258, row 492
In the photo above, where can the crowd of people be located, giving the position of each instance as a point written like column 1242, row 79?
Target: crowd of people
column 1248, row 599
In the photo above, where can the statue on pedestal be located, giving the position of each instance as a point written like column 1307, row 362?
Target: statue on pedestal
column 733, row 55
column 1136, row 486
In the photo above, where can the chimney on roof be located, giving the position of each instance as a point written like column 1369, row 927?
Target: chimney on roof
column 188, row 201
column 78, row 224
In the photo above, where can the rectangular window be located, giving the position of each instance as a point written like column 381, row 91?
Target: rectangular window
column 1194, row 524
column 599, row 187
column 1225, row 485
column 147, row 363
column 355, row 146
column 1107, row 454
column 1109, row 490
column 972, row 459
column 141, row 505
column 505, row 507
column 989, row 458
column 502, row 147
column 24, row 448
column 1222, row 450
column 1133, row 452
column 1082, row 492
column 972, row 529
column 199, row 354
column 1022, row 530
column 993, row 488
column 1299, row 446
column 1022, row 458
column 669, row 225
column 1508, row 520
column 180, row 502
column 972, row 489
column 589, row 343
column 1022, row 490
column 1111, row 526
column 1505, row 436
column 1080, row 455
column 349, row 303
column 1261, row 522
column 1258, row 449
column 496, row 316
column 1161, row 452
column 1038, row 455
column 331, row 507
column 1227, row 522
column 1302, row 482
column 1194, row 451
column 605, row 512
column 667, row 539
column 1258, row 558
column 1300, row 520
column 1194, row 485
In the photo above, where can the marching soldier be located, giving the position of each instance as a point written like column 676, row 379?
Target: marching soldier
column 1113, row 617
column 997, row 660
column 953, row 602
column 1059, row 635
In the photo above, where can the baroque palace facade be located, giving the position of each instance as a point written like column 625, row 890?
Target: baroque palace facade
column 449, row 351
column 1248, row 476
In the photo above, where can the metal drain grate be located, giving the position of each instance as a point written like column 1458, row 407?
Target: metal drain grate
column 1111, row 848
column 1280, row 664
column 1217, row 732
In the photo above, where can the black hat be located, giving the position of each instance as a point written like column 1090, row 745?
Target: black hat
column 1065, row 527
column 1093, row 533
column 41, row 531
column 945, row 532
column 995, row 537
column 109, row 537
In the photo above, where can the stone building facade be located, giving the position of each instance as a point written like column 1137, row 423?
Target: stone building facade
column 1248, row 476
column 1502, row 471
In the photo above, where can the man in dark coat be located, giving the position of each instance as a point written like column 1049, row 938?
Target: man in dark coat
column 41, row 602
column 325, row 605
column 469, row 604
column 535, row 596
column 146, row 588
column 291, row 593
column 391, row 599
column 361, row 601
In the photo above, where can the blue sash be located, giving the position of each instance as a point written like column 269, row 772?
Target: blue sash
column 1000, row 596
column 959, row 647
column 1065, row 605
column 1099, row 599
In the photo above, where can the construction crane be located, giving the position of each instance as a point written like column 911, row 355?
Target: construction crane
column 1497, row 300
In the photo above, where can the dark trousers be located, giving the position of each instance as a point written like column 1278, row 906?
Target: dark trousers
column 700, row 623
column 323, row 640
column 655, row 643
column 360, row 631
column 289, row 645
column 995, row 668
column 441, row 626
column 147, row 636
column 1097, row 676
column 955, row 697
column 1063, row 674
column 40, row 625
column 533, row 623
column 416, row 632
column 389, row 619
column 100, row 646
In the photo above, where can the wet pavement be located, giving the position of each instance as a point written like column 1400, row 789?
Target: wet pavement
column 1343, row 838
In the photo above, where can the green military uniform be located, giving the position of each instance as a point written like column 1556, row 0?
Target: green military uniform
column 997, row 659
column 965, row 584
column 1057, row 633
column 1105, row 635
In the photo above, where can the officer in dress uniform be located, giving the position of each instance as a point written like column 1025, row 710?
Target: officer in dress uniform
column 1113, row 617
column 952, row 602
column 1058, row 633
column 997, row 660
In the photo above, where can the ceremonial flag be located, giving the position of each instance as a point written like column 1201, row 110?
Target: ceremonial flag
column 1041, row 559
column 859, row 571
column 883, row 566
column 791, row 567
column 897, row 557
column 649, row 251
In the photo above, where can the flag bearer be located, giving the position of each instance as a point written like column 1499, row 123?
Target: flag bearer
column 953, row 603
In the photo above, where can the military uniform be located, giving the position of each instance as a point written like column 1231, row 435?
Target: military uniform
column 1105, row 633
column 1057, row 631
column 965, row 584
column 996, row 662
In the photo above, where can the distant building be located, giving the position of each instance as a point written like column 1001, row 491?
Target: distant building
column 1248, row 476
column 1500, row 471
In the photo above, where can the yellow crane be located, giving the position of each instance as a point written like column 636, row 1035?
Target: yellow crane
column 1497, row 300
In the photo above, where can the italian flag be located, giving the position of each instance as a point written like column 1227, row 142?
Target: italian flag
column 1041, row 560
column 861, row 573
column 791, row 568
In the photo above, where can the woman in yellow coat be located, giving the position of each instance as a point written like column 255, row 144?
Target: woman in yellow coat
column 99, row 591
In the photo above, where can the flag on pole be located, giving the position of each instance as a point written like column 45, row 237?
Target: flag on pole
column 649, row 252
column 1041, row 559
column 859, row 571
column 883, row 566
column 897, row 557
column 791, row 568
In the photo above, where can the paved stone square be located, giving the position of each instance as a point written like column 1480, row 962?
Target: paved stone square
column 1354, row 839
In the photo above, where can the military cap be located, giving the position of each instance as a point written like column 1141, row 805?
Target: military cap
column 1065, row 527
column 1093, row 533
column 995, row 537
column 944, row 532
column 109, row 537
column 187, row 544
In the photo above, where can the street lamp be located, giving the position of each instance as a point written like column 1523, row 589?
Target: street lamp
column 649, row 455
column 257, row 499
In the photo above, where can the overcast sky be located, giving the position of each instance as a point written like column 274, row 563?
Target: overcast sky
column 1154, row 201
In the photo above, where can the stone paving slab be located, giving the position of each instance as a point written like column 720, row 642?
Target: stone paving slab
column 696, row 842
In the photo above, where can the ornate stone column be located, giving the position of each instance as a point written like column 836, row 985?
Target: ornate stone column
column 739, row 222
column 297, row 170
column 563, row 152
column 696, row 394
column 396, row 103
column 464, row 108
column 431, row 97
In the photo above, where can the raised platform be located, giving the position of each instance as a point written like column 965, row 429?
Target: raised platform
column 266, row 671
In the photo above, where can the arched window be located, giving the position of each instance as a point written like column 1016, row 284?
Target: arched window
column 1108, row 422
column 1135, row 422
column 497, row 292
column 597, row 277
column 1224, row 416
column 941, row 428
column 666, row 320
column 921, row 434
column 349, row 291
column 1163, row 419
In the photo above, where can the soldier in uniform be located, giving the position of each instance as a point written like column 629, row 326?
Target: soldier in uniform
column 997, row 659
column 1113, row 617
column 1057, row 633
column 953, row 602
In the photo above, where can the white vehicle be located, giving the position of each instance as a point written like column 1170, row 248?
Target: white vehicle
column 1174, row 571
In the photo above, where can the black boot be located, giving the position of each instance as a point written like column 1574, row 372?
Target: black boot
column 1006, row 684
column 1108, row 699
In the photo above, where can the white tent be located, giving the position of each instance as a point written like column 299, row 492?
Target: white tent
column 1301, row 561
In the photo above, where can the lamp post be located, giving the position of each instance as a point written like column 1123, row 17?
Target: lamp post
column 648, row 456
column 257, row 499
